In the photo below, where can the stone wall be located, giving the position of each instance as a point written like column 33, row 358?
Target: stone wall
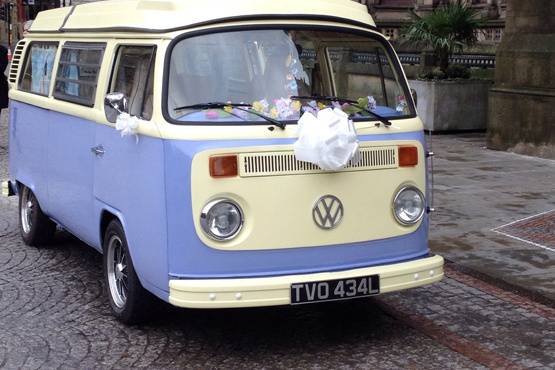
column 522, row 103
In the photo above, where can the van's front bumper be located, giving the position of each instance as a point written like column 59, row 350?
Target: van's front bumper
column 7, row 189
column 275, row 291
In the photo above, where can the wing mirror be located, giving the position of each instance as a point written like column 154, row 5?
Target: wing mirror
column 114, row 104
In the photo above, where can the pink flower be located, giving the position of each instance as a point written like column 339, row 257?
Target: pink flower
column 212, row 114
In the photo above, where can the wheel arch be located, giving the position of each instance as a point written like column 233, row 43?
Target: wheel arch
column 19, row 184
column 143, row 267
column 107, row 215
column 40, row 196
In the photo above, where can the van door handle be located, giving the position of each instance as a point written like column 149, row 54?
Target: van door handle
column 98, row 150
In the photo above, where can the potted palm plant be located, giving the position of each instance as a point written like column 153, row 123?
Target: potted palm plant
column 448, row 99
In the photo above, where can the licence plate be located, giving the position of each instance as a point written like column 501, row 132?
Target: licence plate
column 335, row 290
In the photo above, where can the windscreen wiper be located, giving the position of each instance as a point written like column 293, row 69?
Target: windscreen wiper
column 242, row 107
column 352, row 103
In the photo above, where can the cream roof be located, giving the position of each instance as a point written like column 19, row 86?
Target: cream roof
column 168, row 15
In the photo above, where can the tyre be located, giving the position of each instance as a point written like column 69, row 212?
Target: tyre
column 129, row 301
column 35, row 227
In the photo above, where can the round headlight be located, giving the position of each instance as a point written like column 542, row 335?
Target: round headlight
column 408, row 206
column 221, row 219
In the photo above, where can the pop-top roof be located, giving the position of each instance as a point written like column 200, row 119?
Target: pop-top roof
column 168, row 15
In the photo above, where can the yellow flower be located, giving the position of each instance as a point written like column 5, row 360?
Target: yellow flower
column 274, row 113
column 296, row 106
column 258, row 106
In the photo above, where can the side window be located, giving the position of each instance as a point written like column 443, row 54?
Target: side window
column 78, row 72
column 134, row 76
column 39, row 63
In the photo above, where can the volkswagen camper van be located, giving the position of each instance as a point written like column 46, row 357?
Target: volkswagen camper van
column 161, row 133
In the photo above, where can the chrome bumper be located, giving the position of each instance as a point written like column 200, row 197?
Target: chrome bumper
column 7, row 189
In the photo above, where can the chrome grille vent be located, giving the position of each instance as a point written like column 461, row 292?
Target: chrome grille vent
column 284, row 163
column 16, row 61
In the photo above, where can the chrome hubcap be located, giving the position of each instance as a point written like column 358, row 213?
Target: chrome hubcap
column 27, row 208
column 117, row 271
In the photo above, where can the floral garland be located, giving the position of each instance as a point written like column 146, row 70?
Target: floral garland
column 289, row 109
column 282, row 109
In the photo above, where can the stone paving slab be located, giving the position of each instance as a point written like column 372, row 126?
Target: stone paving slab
column 481, row 327
column 478, row 190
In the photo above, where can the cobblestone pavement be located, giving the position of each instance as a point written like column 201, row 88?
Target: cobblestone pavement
column 53, row 314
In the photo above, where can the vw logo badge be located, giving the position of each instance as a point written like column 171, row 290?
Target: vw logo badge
column 328, row 212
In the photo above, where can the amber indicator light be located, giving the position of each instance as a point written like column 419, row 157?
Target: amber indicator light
column 223, row 166
column 408, row 156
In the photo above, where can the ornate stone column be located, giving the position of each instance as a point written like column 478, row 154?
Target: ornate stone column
column 522, row 103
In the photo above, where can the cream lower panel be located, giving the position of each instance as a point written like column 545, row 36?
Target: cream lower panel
column 274, row 291
column 278, row 209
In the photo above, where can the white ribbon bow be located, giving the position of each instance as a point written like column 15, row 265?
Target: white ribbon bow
column 128, row 125
column 328, row 141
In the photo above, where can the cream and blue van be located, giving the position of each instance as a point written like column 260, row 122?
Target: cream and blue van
column 199, row 200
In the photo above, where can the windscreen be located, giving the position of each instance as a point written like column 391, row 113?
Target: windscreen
column 281, row 74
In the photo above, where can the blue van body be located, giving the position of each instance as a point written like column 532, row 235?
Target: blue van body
column 147, row 185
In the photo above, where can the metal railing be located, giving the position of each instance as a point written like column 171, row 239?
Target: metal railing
column 469, row 60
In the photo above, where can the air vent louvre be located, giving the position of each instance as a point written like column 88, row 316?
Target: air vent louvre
column 285, row 163
column 16, row 61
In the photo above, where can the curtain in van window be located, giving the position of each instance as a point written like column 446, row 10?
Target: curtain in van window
column 73, row 73
column 42, row 57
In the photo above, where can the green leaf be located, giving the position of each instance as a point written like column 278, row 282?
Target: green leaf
column 363, row 102
column 352, row 109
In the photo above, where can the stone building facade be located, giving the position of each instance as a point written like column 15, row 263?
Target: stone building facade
column 392, row 15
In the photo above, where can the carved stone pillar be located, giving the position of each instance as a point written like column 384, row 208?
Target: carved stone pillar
column 522, row 103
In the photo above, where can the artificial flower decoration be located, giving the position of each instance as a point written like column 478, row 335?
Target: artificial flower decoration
column 337, row 105
column 285, row 109
column 228, row 109
column 274, row 113
column 372, row 103
column 359, row 108
column 311, row 107
column 212, row 114
column 288, row 109
column 401, row 104
column 257, row 106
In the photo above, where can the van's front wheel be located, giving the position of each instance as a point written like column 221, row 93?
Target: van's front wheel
column 35, row 227
column 129, row 301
